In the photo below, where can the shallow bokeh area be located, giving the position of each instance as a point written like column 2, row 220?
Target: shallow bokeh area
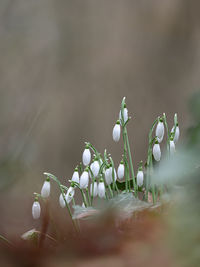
column 64, row 68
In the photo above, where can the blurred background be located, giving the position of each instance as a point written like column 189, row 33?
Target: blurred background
column 64, row 68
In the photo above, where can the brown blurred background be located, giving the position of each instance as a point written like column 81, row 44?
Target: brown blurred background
column 64, row 68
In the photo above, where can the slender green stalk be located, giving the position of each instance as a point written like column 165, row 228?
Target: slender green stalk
column 110, row 190
column 53, row 177
column 130, row 161
column 84, row 198
column 88, row 196
column 5, row 240
column 125, row 160
column 149, row 158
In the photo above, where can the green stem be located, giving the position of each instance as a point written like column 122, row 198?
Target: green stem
column 53, row 177
column 125, row 159
column 84, row 198
column 5, row 240
column 110, row 190
column 88, row 195
column 130, row 161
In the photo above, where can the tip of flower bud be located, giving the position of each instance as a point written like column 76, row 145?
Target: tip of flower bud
column 156, row 141
column 101, row 180
column 48, row 179
column 117, row 122
column 76, row 169
column 161, row 120
column 87, row 146
column 87, row 169
column 122, row 162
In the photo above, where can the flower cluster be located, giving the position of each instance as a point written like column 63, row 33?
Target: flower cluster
column 97, row 176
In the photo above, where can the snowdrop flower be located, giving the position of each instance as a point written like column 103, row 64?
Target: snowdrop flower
column 116, row 131
column 95, row 168
column 125, row 115
column 140, row 177
column 86, row 156
column 160, row 130
column 172, row 147
column 115, row 174
column 84, row 179
column 45, row 191
column 36, row 209
column 120, row 170
column 177, row 133
column 70, row 194
column 108, row 175
column 94, row 189
column 101, row 189
column 156, row 151
column 83, row 205
column 62, row 201
column 75, row 176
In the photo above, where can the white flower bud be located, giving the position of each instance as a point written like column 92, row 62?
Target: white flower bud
column 36, row 210
column 45, row 191
column 70, row 194
column 140, row 178
column 84, row 179
column 95, row 168
column 125, row 115
column 108, row 175
column 156, row 152
column 83, row 205
column 177, row 133
column 160, row 130
column 172, row 147
column 75, row 176
column 86, row 156
column 115, row 174
column 94, row 189
column 62, row 201
column 101, row 189
column 120, row 171
column 116, row 132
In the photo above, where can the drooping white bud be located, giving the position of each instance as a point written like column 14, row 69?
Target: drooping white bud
column 95, row 168
column 120, row 170
column 36, row 210
column 62, row 201
column 115, row 174
column 101, row 189
column 156, row 151
column 125, row 115
column 45, row 191
column 140, row 178
column 94, row 189
column 177, row 133
column 70, row 194
column 108, row 175
column 84, row 179
column 160, row 130
column 86, row 156
column 75, row 176
column 116, row 132
column 172, row 147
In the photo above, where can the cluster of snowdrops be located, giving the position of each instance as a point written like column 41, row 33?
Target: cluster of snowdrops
column 96, row 175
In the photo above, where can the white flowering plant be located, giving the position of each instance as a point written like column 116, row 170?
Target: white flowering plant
column 98, row 177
